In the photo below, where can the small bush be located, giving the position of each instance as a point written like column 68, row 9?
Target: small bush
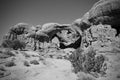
column 14, row 44
column 87, row 62
column 88, row 78
column 2, row 68
column 77, row 58
column 90, row 61
column 10, row 64
column 118, row 76
column 7, row 44
column 99, row 60
column 26, row 63
column 18, row 44
column 26, row 55
column 84, row 76
column 35, row 62
column 8, row 52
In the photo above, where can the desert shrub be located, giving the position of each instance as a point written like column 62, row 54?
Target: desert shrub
column 2, row 68
column 118, row 76
column 88, row 78
column 10, row 64
column 8, row 52
column 90, row 60
column 7, row 44
column 26, row 55
column 98, row 63
column 14, row 44
column 35, row 62
column 18, row 44
column 26, row 63
column 84, row 76
column 13, row 78
column 87, row 62
column 77, row 58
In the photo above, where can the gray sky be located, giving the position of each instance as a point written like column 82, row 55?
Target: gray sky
column 41, row 11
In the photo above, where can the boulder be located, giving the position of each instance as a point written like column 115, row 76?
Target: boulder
column 106, row 12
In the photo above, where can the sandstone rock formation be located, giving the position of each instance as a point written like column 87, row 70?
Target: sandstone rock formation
column 18, row 29
column 104, row 11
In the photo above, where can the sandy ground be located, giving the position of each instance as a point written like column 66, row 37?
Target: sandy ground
column 48, row 69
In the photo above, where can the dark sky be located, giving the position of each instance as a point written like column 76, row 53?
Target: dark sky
column 41, row 11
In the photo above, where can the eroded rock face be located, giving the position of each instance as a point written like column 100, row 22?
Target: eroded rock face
column 83, row 23
column 18, row 29
column 105, row 12
column 68, row 36
column 35, row 37
column 100, row 36
column 66, row 33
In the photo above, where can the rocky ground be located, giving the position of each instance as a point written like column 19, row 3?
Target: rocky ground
column 33, row 65
column 30, row 65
